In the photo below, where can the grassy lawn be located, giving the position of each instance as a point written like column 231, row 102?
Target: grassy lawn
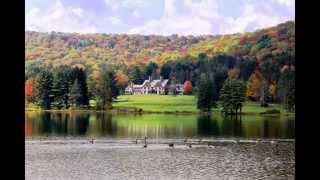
column 158, row 103
column 172, row 104
column 161, row 103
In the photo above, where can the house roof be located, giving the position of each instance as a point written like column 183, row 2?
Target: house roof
column 154, row 83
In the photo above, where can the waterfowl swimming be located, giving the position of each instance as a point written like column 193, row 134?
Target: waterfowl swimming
column 171, row 145
column 145, row 142
column 189, row 146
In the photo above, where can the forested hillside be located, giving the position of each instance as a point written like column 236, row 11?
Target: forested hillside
column 121, row 49
column 263, row 59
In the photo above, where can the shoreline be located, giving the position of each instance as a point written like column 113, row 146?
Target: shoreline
column 140, row 111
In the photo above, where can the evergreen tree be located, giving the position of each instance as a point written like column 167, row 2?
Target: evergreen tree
column 61, row 86
column 75, row 95
column 220, row 75
column 206, row 93
column 136, row 75
column 165, row 71
column 79, row 75
column 232, row 95
column 150, row 68
column 44, row 83
column 83, row 88
column 173, row 83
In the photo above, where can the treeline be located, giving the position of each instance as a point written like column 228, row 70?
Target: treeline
column 263, row 60
column 65, row 87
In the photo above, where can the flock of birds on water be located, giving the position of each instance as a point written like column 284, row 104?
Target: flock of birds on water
column 171, row 145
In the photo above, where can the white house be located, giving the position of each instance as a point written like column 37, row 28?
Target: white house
column 158, row 86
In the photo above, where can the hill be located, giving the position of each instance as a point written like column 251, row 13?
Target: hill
column 122, row 50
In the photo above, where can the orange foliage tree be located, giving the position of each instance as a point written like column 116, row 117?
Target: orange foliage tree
column 254, row 84
column 187, row 87
column 122, row 79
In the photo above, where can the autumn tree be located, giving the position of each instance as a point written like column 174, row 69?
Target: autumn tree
column 30, row 90
column 253, row 86
column 122, row 79
column 187, row 87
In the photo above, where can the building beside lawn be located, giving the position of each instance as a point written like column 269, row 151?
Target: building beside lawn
column 157, row 86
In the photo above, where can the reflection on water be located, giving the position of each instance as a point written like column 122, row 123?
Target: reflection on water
column 156, row 125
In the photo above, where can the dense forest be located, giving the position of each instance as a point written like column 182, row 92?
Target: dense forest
column 263, row 60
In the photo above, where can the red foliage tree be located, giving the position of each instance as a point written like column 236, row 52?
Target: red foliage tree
column 187, row 87
column 29, row 88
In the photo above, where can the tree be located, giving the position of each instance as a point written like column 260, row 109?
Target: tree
column 80, row 75
column 246, row 67
column 187, row 87
column 286, row 88
column 30, row 90
column 220, row 75
column 122, row 79
column 165, row 71
column 253, row 86
column 136, row 75
column 151, row 68
column 173, row 83
column 270, row 71
column 44, row 83
column 206, row 93
column 75, row 95
column 61, row 85
column 106, row 90
column 232, row 95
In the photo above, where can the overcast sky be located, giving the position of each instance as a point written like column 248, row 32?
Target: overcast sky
column 164, row 17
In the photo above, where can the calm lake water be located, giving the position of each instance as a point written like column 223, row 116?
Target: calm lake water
column 102, row 125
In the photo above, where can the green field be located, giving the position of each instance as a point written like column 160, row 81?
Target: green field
column 171, row 104
column 161, row 103
column 158, row 103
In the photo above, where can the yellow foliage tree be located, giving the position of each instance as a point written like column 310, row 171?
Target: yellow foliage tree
column 253, row 85
column 122, row 79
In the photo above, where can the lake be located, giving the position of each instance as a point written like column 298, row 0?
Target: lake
column 156, row 126
column 114, row 155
